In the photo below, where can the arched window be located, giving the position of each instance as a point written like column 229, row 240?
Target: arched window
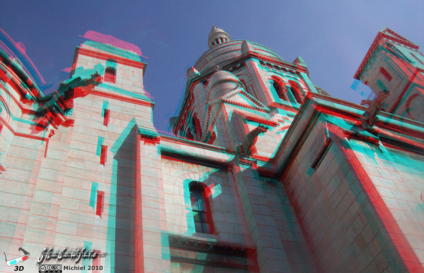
column 295, row 89
column 200, row 208
column 110, row 75
column 278, row 87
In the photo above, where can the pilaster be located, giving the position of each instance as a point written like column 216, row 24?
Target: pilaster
column 263, row 229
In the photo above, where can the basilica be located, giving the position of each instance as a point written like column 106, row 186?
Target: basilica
column 266, row 172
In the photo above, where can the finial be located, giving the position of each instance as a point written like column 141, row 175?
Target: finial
column 213, row 27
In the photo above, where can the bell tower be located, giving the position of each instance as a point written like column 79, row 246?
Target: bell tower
column 394, row 64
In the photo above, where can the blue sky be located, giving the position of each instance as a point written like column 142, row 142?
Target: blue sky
column 332, row 36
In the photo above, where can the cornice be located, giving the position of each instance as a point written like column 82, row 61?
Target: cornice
column 391, row 129
column 223, row 248
column 138, row 101
column 191, row 155
column 198, row 144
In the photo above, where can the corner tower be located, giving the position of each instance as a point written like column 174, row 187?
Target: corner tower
column 394, row 64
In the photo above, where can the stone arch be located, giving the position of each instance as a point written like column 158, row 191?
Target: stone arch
column 189, row 176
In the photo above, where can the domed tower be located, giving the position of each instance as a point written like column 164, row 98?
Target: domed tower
column 237, row 86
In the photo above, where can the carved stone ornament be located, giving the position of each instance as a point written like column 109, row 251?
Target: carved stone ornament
column 375, row 106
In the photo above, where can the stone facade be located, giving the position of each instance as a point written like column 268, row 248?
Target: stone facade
column 289, row 179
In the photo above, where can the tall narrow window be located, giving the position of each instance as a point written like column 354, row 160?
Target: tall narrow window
column 106, row 116
column 295, row 89
column 386, row 74
column 100, row 200
column 110, row 75
column 200, row 207
column 103, row 155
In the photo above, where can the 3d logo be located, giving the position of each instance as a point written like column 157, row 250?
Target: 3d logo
column 17, row 260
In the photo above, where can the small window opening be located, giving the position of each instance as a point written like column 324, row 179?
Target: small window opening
column 217, row 42
column 322, row 153
column 110, row 75
column 386, row 74
column 100, row 201
column 106, row 116
column 103, row 155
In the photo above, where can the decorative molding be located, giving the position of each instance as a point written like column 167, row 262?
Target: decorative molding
column 104, row 56
column 199, row 159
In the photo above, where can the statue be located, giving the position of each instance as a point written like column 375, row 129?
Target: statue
column 244, row 149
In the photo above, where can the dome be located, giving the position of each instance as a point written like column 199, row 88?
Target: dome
column 224, row 53
column 217, row 36
column 221, row 83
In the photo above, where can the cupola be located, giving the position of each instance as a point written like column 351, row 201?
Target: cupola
column 217, row 36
